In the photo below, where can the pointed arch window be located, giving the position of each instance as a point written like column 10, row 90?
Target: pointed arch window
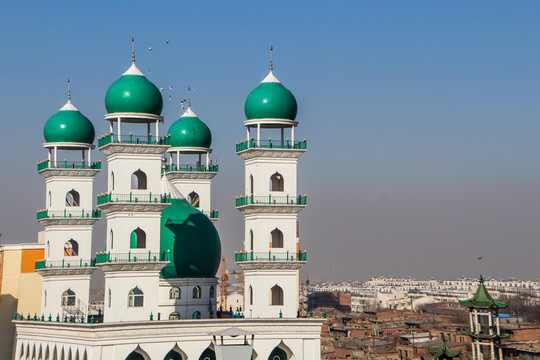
column 71, row 248
column 276, row 294
column 175, row 293
column 278, row 354
column 68, row 298
column 208, row 354
column 250, row 295
column 276, row 182
column 251, row 187
column 136, row 297
column 197, row 315
column 197, row 292
column 110, row 298
column 50, row 199
column 137, row 239
column 112, row 180
column 138, row 180
column 277, row 238
column 111, row 235
column 212, row 292
column 194, row 199
column 251, row 239
column 48, row 253
column 72, row 198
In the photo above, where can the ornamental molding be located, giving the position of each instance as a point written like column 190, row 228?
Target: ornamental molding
column 115, row 148
column 132, row 207
column 59, row 221
column 275, row 153
column 65, row 271
column 270, row 265
column 47, row 173
column 270, row 209
column 132, row 266
column 177, row 175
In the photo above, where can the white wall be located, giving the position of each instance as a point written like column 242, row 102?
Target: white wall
column 123, row 223
column 60, row 185
column 124, row 165
column 57, row 235
column 55, row 286
column 263, row 168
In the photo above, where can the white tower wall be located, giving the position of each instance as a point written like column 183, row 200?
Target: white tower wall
column 122, row 224
column 57, row 236
column 58, row 186
column 262, row 168
column 123, row 165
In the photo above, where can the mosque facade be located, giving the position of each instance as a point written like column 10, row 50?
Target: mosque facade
column 162, row 249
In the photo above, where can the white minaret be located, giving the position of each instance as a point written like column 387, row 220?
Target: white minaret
column 271, row 257
column 133, row 204
column 68, row 217
column 190, row 168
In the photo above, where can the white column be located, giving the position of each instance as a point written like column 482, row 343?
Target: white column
column 498, row 322
column 82, row 155
column 148, row 129
column 55, row 155
column 500, row 353
column 292, row 134
column 177, row 157
column 476, row 325
column 490, row 322
column 247, row 133
column 258, row 134
column 111, row 128
column 492, row 349
column 50, row 155
column 119, row 128
column 157, row 129
column 207, row 158
column 89, row 155
column 473, row 350
column 471, row 322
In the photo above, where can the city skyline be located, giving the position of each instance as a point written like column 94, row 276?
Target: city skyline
column 420, row 119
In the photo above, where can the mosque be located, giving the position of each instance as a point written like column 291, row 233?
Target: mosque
column 162, row 249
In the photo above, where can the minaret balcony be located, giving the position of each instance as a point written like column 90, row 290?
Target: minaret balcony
column 139, row 202
column 68, row 217
column 65, row 267
column 271, row 144
column 212, row 214
column 191, row 171
column 48, row 168
column 270, row 260
column 270, row 204
column 193, row 168
column 130, row 261
column 133, row 144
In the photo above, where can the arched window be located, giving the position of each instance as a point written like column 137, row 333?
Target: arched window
column 68, row 298
column 196, row 292
column 110, row 298
column 251, row 188
column 251, row 239
column 212, row 292
column 137, row 239
column 175, row 293
column 72, row 198
column 138, row 180
column 136, row 298
column 250, row 295
column 45, row 298
column 197, row 315
column 50, row 198
column 276, row 182
column 208, row 354
column 277, row 295
column 112, row 180
column 277, row 238
column 174, row 316
column 193, row 199
column 173, row 355
column 278, row 354
column 111, row 235
column 71, row 248
column 48, row 249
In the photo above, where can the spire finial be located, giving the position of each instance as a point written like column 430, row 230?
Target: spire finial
column 189, row 89
column 133, row 49
column 69, row 92
column 271, row 53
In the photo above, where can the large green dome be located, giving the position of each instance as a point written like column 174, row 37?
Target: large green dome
column 69, row 126
column 190, row 131
column 270, row 100
column 192, row 239
column 133, row 93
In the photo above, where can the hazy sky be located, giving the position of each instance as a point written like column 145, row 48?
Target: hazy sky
column 421, row 118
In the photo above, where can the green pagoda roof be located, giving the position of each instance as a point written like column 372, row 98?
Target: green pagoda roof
column 482, row 299
column 444, row 352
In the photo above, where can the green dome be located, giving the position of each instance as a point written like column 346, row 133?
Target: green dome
column 133, row 93
column 69, row 126
column 192, row 239
column 190, row 131
column 270, row 100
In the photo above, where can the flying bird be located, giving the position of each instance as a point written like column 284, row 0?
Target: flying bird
column 479, row 258
column 166, row 41
column 160, row 90
column 170, row 97
column 149, row 71
column 170, row 87
column 150, row 48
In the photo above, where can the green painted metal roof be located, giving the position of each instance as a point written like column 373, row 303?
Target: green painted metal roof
column 444, row 352
column 270, row 100
column 69, row 126
column 482, row 299
column 190, row 131
column 192, row 240
column 133, row 93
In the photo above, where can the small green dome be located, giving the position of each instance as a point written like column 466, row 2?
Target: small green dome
column 270, row 100
column 192, row 239
column 69, row 126
column 133, row 93
column 190, row 131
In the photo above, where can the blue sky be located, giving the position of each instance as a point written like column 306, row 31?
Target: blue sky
column 421, row 117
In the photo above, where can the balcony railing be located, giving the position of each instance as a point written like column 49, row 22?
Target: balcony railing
column 65, row 263
column 107, row 257
column 133, row 139
column 48, row 164
column 68, row 214
column 194, row 168
column 271, row 200
column 271, row 144
column 133, row 198
column 270, row 256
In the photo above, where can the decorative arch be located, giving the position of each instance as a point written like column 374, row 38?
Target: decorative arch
column 138, row 180
column 276, row 182
column 194, row 199
column 111, row 236
column 208, row 354
column 276, row 295
column 174, row 316
column 197, row 293
column 71, row 248
column 251, row 185
column 277, row 238
column 281, row 352
column 135, row 297
column 196, row 315
column 251, row 240
column 112, row 180
column 175, row 354
column 137, row 239
column 250, row 295
column 69, row 298
column 138, row 354
column 73, row 198
column 175, row 293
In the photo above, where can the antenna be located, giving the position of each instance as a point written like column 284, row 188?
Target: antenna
column 271, row 53
column 133, row 49
column 189, row 88
column 69, row 91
